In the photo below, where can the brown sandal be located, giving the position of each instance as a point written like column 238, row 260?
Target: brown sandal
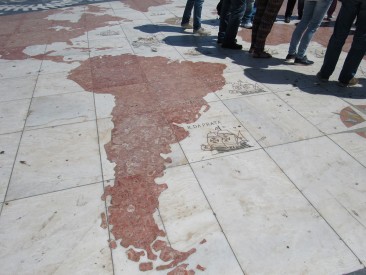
column 261, row 55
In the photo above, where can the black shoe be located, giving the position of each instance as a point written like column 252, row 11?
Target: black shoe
column 303, row 61
column 221, row 40
column 321, row 78
column 233, row 46
column 290, row 57
column 287, row 19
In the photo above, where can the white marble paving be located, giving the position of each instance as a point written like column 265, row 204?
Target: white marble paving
column 18, row 68
column 297, row 207
column 333, row 182
column 215, row 133
column 271, row 227
column 54, row 84
column 105, row 127
column 57, row 233
column 353, row 144
column 323, row 111
column 60, row 109
column 17, row 88
column 189, row 219
column 8, row 149
column 13, row 115
column 270, row 120
column 56, row 158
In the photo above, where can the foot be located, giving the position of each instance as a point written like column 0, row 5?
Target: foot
column 248, row 25
column 303, row 61
column 251, row 50
column 321, row 78
column 287, row 19
column 232, row 46
column 290, row 57
column 261, row 54
column 201, row 32
column 354, row 81
column 187, row 26
column 221, row 40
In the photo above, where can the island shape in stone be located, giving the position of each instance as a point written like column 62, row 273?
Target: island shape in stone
column 152, row 95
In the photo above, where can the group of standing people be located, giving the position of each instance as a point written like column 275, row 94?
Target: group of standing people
column 312, row 14
column 300, row 7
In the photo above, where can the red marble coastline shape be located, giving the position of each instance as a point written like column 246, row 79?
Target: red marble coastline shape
column 350, row 118
column 36, row 29
column 146, row 266
column 144, row 6
column 134, row 255
column 104, row 224
column 152, row 95
column 199, row 267
column 181, row 270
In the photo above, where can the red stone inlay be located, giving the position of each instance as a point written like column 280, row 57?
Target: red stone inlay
column 203, row 241
column 144, row 6
column 152, row 94
column 169, row 254
column 134, row 255
column 112, row 244
column 146, row 266
column 104, row 221
column 200, row 268
column 181, row 270
column 350, row 118
column 37, row 29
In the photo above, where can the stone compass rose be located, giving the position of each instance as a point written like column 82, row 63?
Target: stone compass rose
column 354, row 117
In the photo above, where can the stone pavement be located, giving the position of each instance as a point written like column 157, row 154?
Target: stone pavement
column 128, row 146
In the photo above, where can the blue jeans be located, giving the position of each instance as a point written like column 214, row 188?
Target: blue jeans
column 347, row 14
column 232, row 12
column 197, row 4
column 312, row 17
column 249, row 12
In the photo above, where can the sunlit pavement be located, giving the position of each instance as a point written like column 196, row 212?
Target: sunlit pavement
column 130, row 146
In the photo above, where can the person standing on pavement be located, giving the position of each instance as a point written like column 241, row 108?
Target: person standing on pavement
column 290, row 8
column 264, row 19
column 247, row 20
column 314, row 11
column 349, row 11
column 196, row 5
column 231, row 13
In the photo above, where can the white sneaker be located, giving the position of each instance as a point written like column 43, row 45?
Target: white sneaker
column 248, row 25
column 201, row 32
column 187, row 26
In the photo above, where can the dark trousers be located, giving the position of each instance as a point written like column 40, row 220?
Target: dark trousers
column 332, row 8
column 290, row 7
column 264, row 18
column 349, row 11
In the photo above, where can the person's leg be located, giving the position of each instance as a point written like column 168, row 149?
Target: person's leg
column 266, row 23
column 318, row 10
column 187, row 12
column 237, row 9
column 248, row 15
column 197, row 14
column 260, row 8
column 343, row 24
column 301, row 27
column 300, row 8
column 331, row 9
column 358, row 48
column 290, row 8
column 224, row 15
